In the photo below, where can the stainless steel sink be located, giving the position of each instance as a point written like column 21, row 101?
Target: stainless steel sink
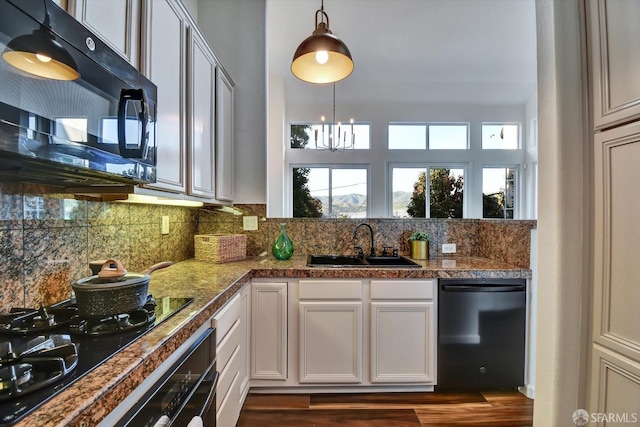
column 350, row 261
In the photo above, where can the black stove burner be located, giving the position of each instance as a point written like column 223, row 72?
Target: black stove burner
column 35, row 364
column 116, row 324
column 40, row 357
column 25, row 321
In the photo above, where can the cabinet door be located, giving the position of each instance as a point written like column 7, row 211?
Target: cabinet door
column 615, row 52
column 202, row 137
column 166, row 66
column 615, row 380
column 269, row 331
column 116, row 22
column 402, row 342
column 330, row 340
column 225, row 137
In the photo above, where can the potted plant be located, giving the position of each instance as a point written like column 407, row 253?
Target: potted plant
column 419, row 245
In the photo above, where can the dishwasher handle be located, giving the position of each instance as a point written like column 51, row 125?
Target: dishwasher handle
column 484, row 288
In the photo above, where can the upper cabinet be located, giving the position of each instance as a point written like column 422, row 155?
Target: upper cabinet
column 615, row 53
column 195, row 106
column 165, row 65
column 116, row 22
column 195, row 94
column 224, row 143
column 202, row 94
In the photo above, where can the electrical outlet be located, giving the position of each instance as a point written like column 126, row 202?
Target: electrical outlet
column 449, row 248
column 165, row 224
column 249, row 223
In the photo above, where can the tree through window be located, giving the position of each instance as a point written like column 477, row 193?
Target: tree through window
column 446, row 194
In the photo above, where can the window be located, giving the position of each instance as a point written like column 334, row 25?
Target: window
column 329, row 192
column 318, row 135
column 410, row 188
column 500, row 136
column 407, row 137
column 440, row 136
column 448, row 137
column 498, row 192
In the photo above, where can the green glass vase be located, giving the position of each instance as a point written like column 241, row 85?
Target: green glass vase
column 283, row 246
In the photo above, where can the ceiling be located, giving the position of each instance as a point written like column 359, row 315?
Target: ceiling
column 415, row 51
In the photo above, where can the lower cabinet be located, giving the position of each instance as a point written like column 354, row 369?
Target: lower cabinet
column 330, row 331
column 328, row 334
column 232, row 357
column 269, row 331
column 330, row 342
column 403, row 334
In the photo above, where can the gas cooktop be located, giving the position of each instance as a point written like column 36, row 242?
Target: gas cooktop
column 44, row 350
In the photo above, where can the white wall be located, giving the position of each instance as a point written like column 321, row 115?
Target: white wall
column 563, row 278
column 236, row 31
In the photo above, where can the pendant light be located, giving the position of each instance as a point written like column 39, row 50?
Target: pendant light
column 322, row 57
column 40, row 54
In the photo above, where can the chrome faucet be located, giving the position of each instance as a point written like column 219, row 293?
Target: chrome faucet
column 355, row 235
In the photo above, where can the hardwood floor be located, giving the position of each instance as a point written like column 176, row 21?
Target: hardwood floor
column 440, row 409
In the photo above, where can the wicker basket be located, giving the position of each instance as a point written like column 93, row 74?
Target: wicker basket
column 220, row 248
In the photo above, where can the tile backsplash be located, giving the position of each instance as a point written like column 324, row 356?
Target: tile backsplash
column 47, row 240
column 504, row 240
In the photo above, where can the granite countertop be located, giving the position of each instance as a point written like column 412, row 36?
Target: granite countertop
column 91, row 398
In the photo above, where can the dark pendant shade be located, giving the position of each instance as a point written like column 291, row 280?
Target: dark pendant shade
column 40, row 54
column 322, row 57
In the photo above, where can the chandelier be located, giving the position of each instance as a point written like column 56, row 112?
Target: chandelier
column 338, row 137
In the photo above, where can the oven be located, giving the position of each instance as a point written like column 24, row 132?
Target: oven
column 184, row 390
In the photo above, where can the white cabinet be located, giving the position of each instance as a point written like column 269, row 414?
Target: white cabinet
column 202, row 90
column 403, row 334
column 166, row 58
column 195, row 107
column 116, row 22
column 615, row 56
column 330, row 331
column 232, row 353
column 225, row 136
column 269, row 331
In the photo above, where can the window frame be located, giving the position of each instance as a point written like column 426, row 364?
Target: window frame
column 427, row 142
column 520, row 144
column 331, row 167
column 517, row 180
column 312, row 145
column 427, row 167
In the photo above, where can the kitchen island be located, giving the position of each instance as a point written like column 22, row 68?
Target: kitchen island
column 92, row 397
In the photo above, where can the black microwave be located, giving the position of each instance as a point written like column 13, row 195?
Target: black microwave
column 72, row 111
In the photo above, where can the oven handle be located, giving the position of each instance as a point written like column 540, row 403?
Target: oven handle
column 212, row 378
column 209, row 378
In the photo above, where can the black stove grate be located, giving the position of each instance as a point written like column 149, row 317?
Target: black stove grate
column 23, row 344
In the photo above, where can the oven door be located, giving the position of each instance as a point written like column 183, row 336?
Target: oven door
column 187, row 389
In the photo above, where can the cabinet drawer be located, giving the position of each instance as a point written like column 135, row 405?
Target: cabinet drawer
column 226, row 348
column 402, row 289
column 334, row 289
column 228, row 408
column 227, row 376
column 224, row 319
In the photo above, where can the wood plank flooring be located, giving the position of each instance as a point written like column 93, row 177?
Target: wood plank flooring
column 440, row 409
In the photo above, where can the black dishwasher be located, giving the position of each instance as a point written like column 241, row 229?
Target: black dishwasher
column 481, row 333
